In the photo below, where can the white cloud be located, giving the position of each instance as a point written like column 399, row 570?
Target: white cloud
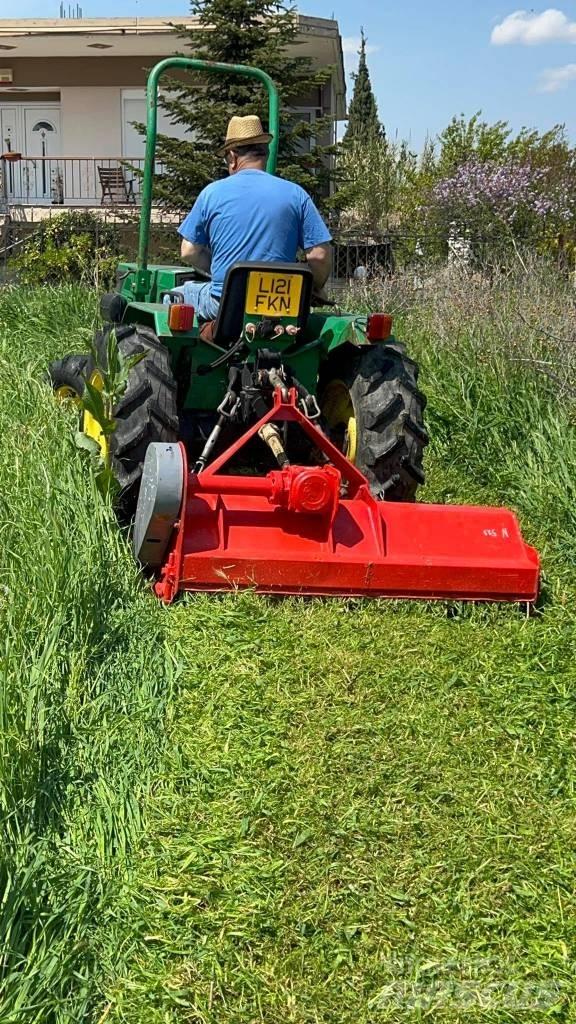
column 555, row 79
column 350, row 47
column 352, row 44
column 531, row 29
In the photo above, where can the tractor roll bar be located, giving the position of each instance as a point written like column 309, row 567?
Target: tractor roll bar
column 211, row 67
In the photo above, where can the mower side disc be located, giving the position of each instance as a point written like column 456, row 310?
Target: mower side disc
column 159, row 502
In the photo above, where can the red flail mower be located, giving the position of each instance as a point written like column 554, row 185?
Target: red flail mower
column 317, row 530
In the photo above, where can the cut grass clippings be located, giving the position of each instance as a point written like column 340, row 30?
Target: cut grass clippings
column 242, row 809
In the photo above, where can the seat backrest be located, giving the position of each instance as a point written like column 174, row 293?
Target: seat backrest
column 111, row 174
column 112, row 180
column 263, row 291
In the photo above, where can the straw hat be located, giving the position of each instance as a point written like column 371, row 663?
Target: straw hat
column 244, row 131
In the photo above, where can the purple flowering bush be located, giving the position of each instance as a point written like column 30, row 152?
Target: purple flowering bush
column 490, row 201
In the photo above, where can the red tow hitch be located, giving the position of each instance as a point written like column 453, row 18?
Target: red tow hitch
column 319, row 530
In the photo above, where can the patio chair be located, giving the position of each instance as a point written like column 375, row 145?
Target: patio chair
column 116, row 187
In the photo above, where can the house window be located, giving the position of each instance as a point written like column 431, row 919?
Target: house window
column 134, row 111
column 310, row 116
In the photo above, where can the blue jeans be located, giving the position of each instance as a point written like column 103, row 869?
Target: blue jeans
column 198, row 294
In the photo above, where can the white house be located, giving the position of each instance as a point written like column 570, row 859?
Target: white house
column 70, row 91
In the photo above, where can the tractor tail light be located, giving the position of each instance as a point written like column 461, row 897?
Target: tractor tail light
column 379, row 327
column 180, row 317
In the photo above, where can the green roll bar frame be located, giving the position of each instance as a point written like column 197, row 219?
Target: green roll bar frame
column 142, row 278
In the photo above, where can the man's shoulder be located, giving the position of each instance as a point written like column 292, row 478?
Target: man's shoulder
column 287, row 185
column 209, row 190
column 263, row 183
column 287, row 191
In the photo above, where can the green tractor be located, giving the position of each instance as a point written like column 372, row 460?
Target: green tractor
column 204, row 383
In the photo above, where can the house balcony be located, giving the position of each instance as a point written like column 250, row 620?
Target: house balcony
column 41, row 186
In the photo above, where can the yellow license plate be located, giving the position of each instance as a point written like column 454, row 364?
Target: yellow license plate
column 273, row 294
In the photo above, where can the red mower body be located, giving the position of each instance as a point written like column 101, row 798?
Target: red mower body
column 319, row 531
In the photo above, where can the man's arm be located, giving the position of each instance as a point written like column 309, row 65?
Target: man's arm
column 315, row 240
column 195, row 247
column 319, row 259
column 197, row 255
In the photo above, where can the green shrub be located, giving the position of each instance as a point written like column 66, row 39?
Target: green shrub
column 74, row 246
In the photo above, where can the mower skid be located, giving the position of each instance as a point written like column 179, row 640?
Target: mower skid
column 292, row 532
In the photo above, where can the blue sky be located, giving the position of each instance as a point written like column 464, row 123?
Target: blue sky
column 429, row 61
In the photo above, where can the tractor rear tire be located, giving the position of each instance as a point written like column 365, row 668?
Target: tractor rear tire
column 146, row 412
column 66, row 377
column 374, row 410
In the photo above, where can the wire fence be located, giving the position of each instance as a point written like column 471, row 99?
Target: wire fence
column 355, row 258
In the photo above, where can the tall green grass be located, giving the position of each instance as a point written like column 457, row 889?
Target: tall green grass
column 243, row 810
column 85, row 677
column 499, row 368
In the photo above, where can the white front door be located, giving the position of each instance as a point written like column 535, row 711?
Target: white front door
column 42, row 173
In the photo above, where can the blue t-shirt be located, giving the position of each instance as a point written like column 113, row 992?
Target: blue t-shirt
column 253, row 215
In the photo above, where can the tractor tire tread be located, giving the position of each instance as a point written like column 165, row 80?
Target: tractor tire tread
column 164, row 418
column 133, row 348
column 392, row 408
column 165, row 378
column 415, row 472
column 130, row 438
column 146, row 412
column 69, row 372
column 419, row 432
column 134, row 398
column 389, row 407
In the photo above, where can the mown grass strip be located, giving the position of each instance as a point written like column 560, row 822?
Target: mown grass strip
column 367, row 808
column 362, row 805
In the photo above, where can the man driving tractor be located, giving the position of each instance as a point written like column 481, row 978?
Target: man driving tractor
column 196, row 399
column 250, row 215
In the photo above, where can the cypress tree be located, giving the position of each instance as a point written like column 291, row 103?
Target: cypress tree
column 363, row 121
column 255, row 32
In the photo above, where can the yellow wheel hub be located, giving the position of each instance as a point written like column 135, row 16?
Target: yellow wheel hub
column 90, row 426
column 338, row 412
column 66, row 393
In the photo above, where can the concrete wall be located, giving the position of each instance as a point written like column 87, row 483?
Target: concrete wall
column 91, row 121
column 38, row 72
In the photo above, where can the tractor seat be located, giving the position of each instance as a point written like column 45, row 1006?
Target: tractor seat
column 260, row 291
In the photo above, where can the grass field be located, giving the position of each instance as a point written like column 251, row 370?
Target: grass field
column 242, row 810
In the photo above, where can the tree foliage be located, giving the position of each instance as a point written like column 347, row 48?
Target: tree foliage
column 498, row 201
column 495, row 185
column 463, row 140
column 261, row 33
column 477, row 181
column 363, row 121
column 376, row 178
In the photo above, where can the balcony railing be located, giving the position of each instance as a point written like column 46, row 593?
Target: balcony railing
column 70, row 181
